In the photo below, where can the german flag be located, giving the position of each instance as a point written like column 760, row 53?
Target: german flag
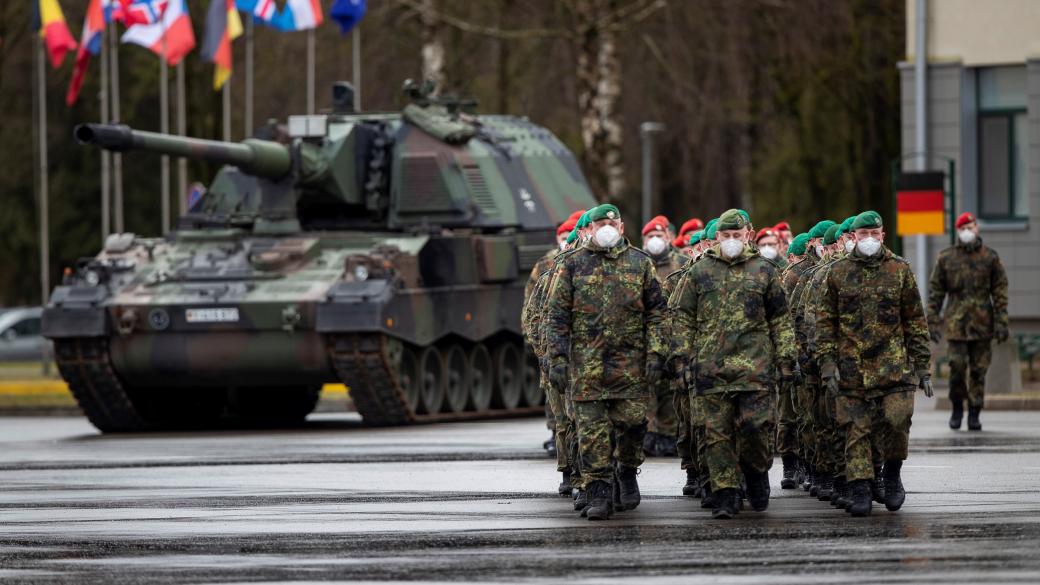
column 920, row 199
column 222, row 26
column 49, row 21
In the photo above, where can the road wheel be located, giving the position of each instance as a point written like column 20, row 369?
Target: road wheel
column 432, row 380
column 403, row 360
column 481, row 378
column 508, row 364
column 457, row 378
column 532, row 390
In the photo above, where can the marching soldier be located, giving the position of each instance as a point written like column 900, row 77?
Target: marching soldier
column 730, row 314
column 789, row 437
column 972, row 280
column 605, row 346
column 872, row 346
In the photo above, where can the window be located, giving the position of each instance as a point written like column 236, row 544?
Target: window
column 1003, row 142
column 27, row 327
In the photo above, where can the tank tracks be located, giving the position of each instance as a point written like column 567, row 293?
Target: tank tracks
column 85, row 365
column 362, row 361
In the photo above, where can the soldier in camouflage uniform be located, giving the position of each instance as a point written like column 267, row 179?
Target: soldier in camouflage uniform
column 540, row 267
column 872, row 343
column 789, row 443
column 662, row 426
column 730, row 314
column 769, row 245
column 972, row 280
column 605, row 345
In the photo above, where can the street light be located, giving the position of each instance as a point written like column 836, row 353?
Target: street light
column 646, row 134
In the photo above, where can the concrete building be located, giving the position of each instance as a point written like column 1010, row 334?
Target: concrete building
column 983, row 112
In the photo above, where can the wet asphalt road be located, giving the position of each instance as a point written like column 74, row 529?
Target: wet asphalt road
column 474, row 502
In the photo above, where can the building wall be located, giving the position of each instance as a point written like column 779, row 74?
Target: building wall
column 978, row 32
column 951, row 117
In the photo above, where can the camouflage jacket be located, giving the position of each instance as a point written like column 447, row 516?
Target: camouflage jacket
column 972, row 279
column 533, row 315
column 669, row 264
column 730, row 318
column 870, row 323
column 796, row 300
column 543, row 264
column 605, row 319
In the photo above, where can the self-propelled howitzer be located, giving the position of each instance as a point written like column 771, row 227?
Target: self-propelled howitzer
column 387, row 252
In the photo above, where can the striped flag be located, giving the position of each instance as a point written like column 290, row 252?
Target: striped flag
column 222, row 26
column 175, row 27
column 49, row 21
column 89, row 44
column 262, row 10
column 920, row 199
column 131, row 12
column 299, row 15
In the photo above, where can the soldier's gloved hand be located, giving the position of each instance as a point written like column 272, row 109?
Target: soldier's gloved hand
column 654, row 369
column 558, row 376
column 689, row 380
column 925, row 383
column 1001, row 333
column 831, row 378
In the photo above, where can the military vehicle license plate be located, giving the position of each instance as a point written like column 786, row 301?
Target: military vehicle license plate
column 229, row 315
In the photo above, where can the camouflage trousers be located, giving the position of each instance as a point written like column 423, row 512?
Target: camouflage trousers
column 684, row 444
column 698, row 444
column 828, row 456
column 609, row 432
column 969, row 361
column 739, row 428
column 876, row 429
column 563, row 426
column 660, row 412
column 787, row 422
column 803, row 400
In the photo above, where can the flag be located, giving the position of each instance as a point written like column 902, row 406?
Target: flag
column 262, row 10
column 299, row 15
column 131, row 12
column 89, row 44
column 347, row 13
column 175, row 26
column 920, row 202
column 222, row 26
column 48, row 19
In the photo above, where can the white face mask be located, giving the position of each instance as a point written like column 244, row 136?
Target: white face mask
column 731, row 248
column 607, row 236
column 819, row 250
column 769, row 252
column 563, row 245
column 966, row 236
column 868, row 246
column 849, row 245
column 655, row 246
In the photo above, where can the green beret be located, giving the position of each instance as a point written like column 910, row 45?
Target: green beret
column 867, row 220
column 573, row 236
column 583, row 221
column 797, row 246
column 745, row 214
column 820, row 229
column 831, row 235
column 605, row 211
column 696, row 237
column 732, row 219
column 709, row 230
column 846, row 225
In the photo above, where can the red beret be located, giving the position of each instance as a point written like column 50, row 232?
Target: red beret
column 658, row 223
column 567, row 226
column 783, row 226
column 965, row 218
column 576, row 215
column 691, row 226
column 764, row 232
column 680, row 242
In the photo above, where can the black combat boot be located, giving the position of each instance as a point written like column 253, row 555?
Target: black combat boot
column 957, row 414
column 790, row 480
column 581, row 500
column 708, row 498
column 550, row 447
column 840, row 495
column 758, row 490
column 814, row 484
column 600, row 500
column 693, row 482
column 895, row 495
column 826, row 488
column 973, row 418
column 628, row 488
column 807, row 477
column 726, row 504
column 877, row 488
column 566, row 488
column 860, row 495
column 667, row 446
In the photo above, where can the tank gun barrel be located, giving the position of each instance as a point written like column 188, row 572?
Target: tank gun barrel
column 260, row 158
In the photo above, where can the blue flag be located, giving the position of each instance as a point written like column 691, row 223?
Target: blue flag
column 347, row 13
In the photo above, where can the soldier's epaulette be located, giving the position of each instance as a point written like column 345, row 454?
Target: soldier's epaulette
column 641, row 251
column 899, row 258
